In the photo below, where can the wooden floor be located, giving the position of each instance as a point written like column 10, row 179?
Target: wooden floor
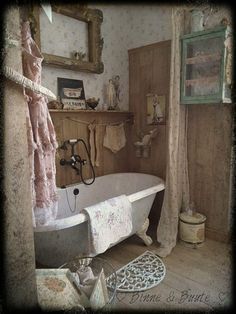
column 196, row 279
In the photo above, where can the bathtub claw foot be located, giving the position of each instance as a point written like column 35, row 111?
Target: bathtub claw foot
column 143, row 235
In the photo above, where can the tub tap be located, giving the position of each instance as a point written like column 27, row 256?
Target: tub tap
column 76, row 159
column 72, row 162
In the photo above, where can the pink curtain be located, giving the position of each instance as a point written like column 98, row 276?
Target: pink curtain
column 42, row 142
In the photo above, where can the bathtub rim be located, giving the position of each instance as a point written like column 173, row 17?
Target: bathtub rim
column 71, row 221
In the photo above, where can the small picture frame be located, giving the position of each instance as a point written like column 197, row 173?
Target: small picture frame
column 71, row 93
column 156, row 109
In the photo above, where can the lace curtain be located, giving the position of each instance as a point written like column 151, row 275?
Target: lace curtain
column 177, row 185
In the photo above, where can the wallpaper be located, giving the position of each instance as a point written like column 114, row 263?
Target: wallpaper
column 64, row 36
column 124, row 27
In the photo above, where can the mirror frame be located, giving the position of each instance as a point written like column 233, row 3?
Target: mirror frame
column 94, row 18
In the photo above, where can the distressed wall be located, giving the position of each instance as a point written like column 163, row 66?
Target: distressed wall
column 19, row 261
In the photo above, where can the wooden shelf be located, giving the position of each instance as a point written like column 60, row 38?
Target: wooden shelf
column 202, row 80
column 109, row 115
column 204, row 58
column 91, row 111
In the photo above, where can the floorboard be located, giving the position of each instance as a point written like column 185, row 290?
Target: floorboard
column 196, row 279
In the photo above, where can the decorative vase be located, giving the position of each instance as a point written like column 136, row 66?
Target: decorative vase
column 197, row 17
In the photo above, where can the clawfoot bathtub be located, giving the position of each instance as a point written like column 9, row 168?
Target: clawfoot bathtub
column 67, row 236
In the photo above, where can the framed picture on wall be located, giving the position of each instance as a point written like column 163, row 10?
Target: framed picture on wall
column 71, row 93
column 156, row 109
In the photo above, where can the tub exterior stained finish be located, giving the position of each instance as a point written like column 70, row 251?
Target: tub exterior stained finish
column 67, row 236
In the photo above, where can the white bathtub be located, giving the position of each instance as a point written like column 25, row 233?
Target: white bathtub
column 67, row 236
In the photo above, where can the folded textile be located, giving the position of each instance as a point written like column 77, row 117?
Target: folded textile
column 88, row 287
column 85, row 274
column 115, row 137
column 98, row 143
column 95, row 142
column 109, row 221
column 85, row 280
column 91, row 128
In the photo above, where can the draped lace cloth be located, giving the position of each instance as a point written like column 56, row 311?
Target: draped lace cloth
column 42, row 142
column 177, row 183
column 109, row 222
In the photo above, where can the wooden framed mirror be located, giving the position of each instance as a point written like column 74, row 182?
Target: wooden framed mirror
column 75, row 18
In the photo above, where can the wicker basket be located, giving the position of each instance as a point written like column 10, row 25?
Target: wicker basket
column 96, row 264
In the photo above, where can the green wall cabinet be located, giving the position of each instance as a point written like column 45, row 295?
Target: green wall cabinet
column 203, row 67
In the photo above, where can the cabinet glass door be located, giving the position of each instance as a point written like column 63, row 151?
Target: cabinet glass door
column 202, row 68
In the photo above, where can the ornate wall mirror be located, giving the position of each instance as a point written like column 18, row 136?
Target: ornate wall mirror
column 73, row 40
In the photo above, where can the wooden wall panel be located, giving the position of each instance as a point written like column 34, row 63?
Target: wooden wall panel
column 209, row 139
column 66, row 129
column 149, row 72
column 209, row 157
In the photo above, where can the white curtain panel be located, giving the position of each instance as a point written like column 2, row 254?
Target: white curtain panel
column 176, row 195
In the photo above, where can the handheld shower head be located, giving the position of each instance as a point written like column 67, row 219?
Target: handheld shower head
column 73, row 141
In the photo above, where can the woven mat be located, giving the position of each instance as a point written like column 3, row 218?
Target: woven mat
column 144, row 272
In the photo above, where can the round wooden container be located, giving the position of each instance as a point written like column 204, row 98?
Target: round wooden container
column 192, row 227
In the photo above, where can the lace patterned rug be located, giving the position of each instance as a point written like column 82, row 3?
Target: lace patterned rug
column 144, row 272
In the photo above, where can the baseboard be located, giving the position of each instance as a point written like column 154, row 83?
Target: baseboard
column 209, row 233
column 217, row 235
